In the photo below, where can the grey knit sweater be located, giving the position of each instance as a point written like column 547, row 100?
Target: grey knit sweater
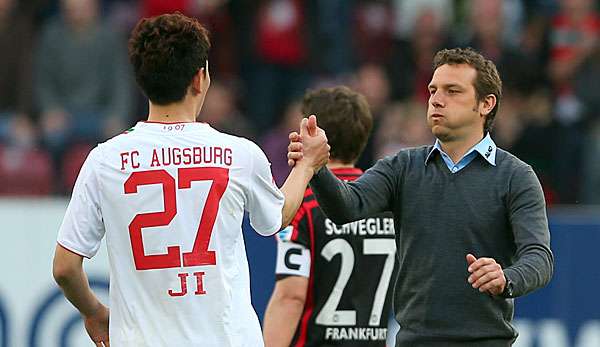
column 489, row 211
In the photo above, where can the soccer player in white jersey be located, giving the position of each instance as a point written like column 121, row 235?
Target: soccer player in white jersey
column 169, row 195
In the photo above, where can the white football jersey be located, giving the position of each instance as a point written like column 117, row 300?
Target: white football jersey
column 170, row 199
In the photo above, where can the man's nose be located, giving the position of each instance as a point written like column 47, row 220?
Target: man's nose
column 436, row 101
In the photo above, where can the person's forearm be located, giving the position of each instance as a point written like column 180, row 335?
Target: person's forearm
column 334, row 197
column 531, row 271
column 281, row 320
column 533, row 266
column 76, row 288
column 372, row 193
column 293, row 189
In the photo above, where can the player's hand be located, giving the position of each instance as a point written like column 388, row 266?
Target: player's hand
column 294, row 148
column 486, row 275
column 96, row 325
column 314, row 147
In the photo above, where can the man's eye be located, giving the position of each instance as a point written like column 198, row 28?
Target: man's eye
column 453, row 91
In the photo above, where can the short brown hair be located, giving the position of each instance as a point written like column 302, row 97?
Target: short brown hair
column 166, row 52
column 487, row 81
column 345, row 117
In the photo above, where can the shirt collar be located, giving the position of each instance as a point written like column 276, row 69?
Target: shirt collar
column 171, row 127
column 486, row 148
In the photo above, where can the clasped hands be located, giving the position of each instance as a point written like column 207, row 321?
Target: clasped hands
column 309, row 147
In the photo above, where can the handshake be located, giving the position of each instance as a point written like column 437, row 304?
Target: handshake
column 309, row 148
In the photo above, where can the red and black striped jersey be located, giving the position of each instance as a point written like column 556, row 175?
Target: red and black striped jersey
column 349, row 267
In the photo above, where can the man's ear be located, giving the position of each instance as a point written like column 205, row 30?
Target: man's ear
column 203, row 78
column 487, row 104
column 206, row 73
column 197, row 82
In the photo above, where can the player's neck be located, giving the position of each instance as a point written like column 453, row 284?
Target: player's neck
column 173, row 113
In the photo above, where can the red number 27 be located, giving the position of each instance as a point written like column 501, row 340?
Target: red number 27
column 199, row 255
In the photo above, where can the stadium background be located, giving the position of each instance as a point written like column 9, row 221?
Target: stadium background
column 65, row 85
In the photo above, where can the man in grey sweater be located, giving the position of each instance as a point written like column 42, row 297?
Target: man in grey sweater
column 83, row 82
column 472, row 231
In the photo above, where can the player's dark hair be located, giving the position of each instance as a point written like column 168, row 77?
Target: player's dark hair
column 487, row 80
column 346, row 118
column 166, row 52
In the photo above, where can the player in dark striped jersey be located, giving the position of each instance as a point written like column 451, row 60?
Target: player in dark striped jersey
column 333, row 281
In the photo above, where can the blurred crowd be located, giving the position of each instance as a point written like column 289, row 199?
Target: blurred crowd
column 65, row 82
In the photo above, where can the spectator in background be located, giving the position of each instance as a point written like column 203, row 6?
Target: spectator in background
column 224, row 55
column 216, row 16
column 490, row 36
column 82, row 78
column 151, row 8
column 406, row 13
column 574, row 35
column 329, row 36
column 24, row 169
column 526, row 128
column 586, row 87
column 275, row 141
column 16, row 39
column 372, row 82
column 373, row 31
column 279, row 59
column 590, row 192
column 533, row 40
column 221, row 112
column 506, row 15
column 402, row 126
column 409, row 65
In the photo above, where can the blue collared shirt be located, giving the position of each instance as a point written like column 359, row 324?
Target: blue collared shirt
column 486, row 148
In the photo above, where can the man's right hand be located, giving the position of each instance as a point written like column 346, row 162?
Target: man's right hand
column 310, row 146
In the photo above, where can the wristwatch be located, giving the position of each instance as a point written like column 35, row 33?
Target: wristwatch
column 508, row 288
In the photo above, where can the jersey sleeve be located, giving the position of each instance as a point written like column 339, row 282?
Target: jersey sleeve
column 293, row 247
column 82, row 228
column 265, row 201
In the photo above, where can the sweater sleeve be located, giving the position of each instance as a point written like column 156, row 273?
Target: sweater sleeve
column 533, row 264
column 344, row 202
